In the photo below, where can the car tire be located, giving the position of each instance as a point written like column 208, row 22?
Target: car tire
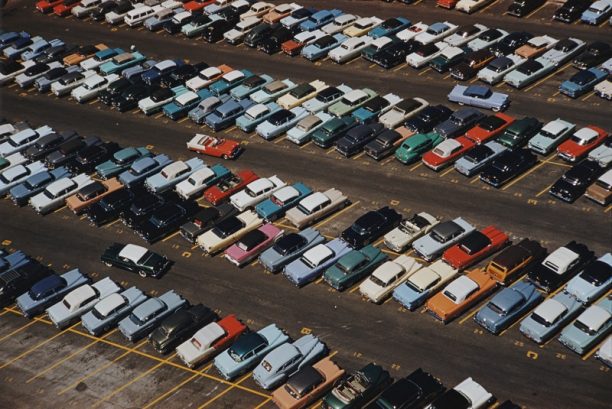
column 496, row 109
column 107, row 264
column 225, row 157
column 143, row 274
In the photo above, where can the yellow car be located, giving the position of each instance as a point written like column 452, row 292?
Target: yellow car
column 362, row 26
column 301, row 93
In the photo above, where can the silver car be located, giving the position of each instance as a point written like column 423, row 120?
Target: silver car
column 477, row 158
column 441, row 237
column 111, row 309
column 550, row 316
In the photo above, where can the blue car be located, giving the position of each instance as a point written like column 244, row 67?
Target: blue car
column 112, row 309
column 205, row 107
column 12, row 261
column 182, row 104
column 250, row 85
column 248, row 350
column 255, row 115
column 582, row 82
column 10, row 37
column 321, row 47
column 594, row 280
column 138, row 70
column 121, row 62
column 225, row 115
column 142, row 168
column 315, row 261
column 120, row 161
column 282, row 200
column 597, row 12
column 479, row 96
column 228, row 81
column 48, row 290
column 507, row 306
column 319, row 19
column 19, row 46
column 39, row 47
column 389, row 27
column 21, row 193
column 165, row 67
column 172, row 174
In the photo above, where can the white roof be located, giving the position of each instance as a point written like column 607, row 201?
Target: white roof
column 539, row 41
column 606, row 177
column 550, row 310
column 203, row 173
column 108, row 304
column 424, row 277
column 380, row 41
column 75, row 296
column 387, row 270
column 365, row 21
column 165, row 64
column 233, row 75
column 448, row 145
column 260, row 184
column 314, row 200
column 304, row 36
column 248, row 22
column 351, row 42
column 286, row 193
column 209, row 334
column 560, row 259
column 355, row 94
column 344, row 18
column 58, row 185
column 175, row 167
column 210, row 72
column 133, row 252
column 186, row 97
column 461, row 287
column 594, row 317
column 586, row 134
column 256, row 110
column 450, row 52
column 554, row 127
column 318, row 253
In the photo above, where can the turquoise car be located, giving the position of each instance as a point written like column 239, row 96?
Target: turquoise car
column 353, row 267
column 120, row 161
column 592, row 326
column 250, row 85
column 182, row 104
column 412, row 148
column 256, row 115
column 120, row 62
column 229, row 81
column 282, row 200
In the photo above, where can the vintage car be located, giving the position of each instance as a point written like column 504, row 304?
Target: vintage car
column 581, row 142
column 475, row 246
column 388, row 276
column 594, row 280
column 315, row 207
column 400, row 238
column 92, row 193
column 478, row 158
column 601, row 191
column 20, row 194
column 131, row 257
column 589, row 328
column 120, row 161
column 172, row 174
column 353, row 266
column 251, row 244
column 495, row 70
column 415, row 390
column 256, row 191
column 202, row 179
column 550, row 316
column 313, row 262
column 111, row 309
column 529, row 72
column 179, row 326
column 255, row 115
column 507, row 165
column 17, row 174
column 479, row 96
column 414, row 291
column 289, row 247
column 441, row 237
column 357, row 388
column 226, row 232
column 469, row 394
column 507, row 265
column 272, row 91
column 20, row 277
column 142, row 168
column 55, row 193
column 222, row 191
column 303, row 130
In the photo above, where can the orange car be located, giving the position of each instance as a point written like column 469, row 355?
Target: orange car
column 83, row 53
column 279, row 12
column 535, row 47
column 489, row 127
column 307, row 385
column 91, row 194
column 460, row 294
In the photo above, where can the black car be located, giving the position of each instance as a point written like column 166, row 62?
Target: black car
column 451, row 399
column 258, row 34
column 510, row 43
column 173, row 27
column 358, row 388
column 571, row 10
column 89, row 157
column 384, row 144
column 182, row 74
column 163, row 221
column 374, row 106
column 428, row 118
column 105, row 7
column 470, row 64
column 560, row 265
column 508, row 165
column 48, row 144
column 17, row 281
column 371, row 226
column 111, row 206
column 520, row 8
column 508, row 405
column 356, row 138
column 395, row 54
column 179, row 326
column 129, row 98
column 54, row 53
column 136, row 259
column 234, row 10
column 113, row 90
column 143, row 205
column 67, row 151
column 205, row 219
column 272, row 44
column 576, row 180
column 596, row 53
column 414, row 391
column 215, row 30
column 52, row 75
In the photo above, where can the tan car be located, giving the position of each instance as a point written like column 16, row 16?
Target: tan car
column 316, row 206
column 279, row 12
column 512, row 261
column 82, row 54
column 536, row 46
column 601, row 191
column 91, row 194
column 307, row 385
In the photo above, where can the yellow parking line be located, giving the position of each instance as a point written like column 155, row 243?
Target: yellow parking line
column 608, row 209
column 552, row 74
column 159, row 115
column 279, row 140
column 180, row 121
column 359, row 156
column 59, row 210
column 338, row 213
column 476, row 179
column 475, row 309
column 515, row 323
column 588, row 96
column 171, row 236
column 418, row 165
column 355, row 288
column 603, row 23
column 449, row 170
column 125, row 385
column 17, row 330
column 305, row 145
column 30, row 350
column 230, row 129
column 541, row 192
column 208, row 402
column 319, row 281
column 372, row 65
column 447, row 76
column 56, row 364
column 389, row 159
column 174, row 389
column 93, row 101
column 592, row 351
column 400, row 67
column 330, row 150
column 424, row 71
column 524, row 175
column 536, row 10
column 262, row 404
column 489, row 6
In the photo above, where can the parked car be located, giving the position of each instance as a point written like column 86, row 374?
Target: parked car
column 603, row 353
column 581, row 142
column 447, row 152
column 205, row 107
column 321, row 47
column 599, row 11
column 332, row 130
column 477, row 158
column 301, row 133
column 522, row 8
column 251, row 244
column 353, row 266
column 519, row 132
column 179, row 326
column 594, row 54
column 228, row 231
column 479, row 96
column 508, row 165
column 559, row 266
column 142, row 168
column 415, row 390
column 475, row 246
column 21, row 193
column 111, row 309
column 487, row 39
column 54, row 194
column 468, row 394
column 18, row 279
column 575, row 181
column 172, row 174
column 458, row 122
column 550, row 316
column 92, row 87
column 92, row 193
column 441, row 237
column 427, row 119
column 165, row 220
column 582, row 82
column 603, row 153
column 289, row 247
column 509, row 43
column 205, row 219
column 495, row 71
column 316, row 206
column 356, row 138
column 17, row 174
column 131, row 257
column 571, row 10
column 314, row 261
column 409, row 230
column 120, row 161
column 514, row 260
column 256, row 191
column 370, row 226
column 564, row 50
column 387, row 277
column 589, row 328
column 550, row 136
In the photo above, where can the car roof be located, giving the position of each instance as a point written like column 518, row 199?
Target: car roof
column 133, row 252
column 318, row 253
column 81, row 293
column 560, row 258
column 257, row 109
column 475, row 241
column 594, row 317
column 233, row 75
column 550, row 309
column 186, row 97
column 58, row 185
column 446, row 228
column 304, row 379
column 260, row 184
column 355, row 94
column 555, row 126
column 108, row 304
column 314, row 200
column 586, row 133
column 461, row 287
column 286, row 193
column 388, row 270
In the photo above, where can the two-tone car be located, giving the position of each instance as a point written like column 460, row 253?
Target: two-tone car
column 111, row 309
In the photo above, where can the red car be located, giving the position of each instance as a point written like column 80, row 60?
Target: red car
column 63, row 9
column 223, row 190
column 447, row 152
column 475, row 246
column 47, row 6
column 447, row 4
column 213, row 146
column 581, row 142
column 488, row 128
column 197, row 6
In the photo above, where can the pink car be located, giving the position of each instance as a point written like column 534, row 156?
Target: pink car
column 253, row 243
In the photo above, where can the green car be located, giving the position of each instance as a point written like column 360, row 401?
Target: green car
column 332, row 130
column 517, row 134
column 351, row 101
column 412, row 148
column 355, row 390
column 3, row 163
column 354, row 266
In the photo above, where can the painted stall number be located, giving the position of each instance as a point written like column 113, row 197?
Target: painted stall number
column 357, row 354
column 186, row 254
column 6, row 242
column 533, row 355
column 306, row 331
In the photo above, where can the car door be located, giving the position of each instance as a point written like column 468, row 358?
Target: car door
column 126, row 263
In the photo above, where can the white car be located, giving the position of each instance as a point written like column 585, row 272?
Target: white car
column 425, row 54
column 470, row 6
column 602, row 154
column 196, row 182
column 206, row 77
column 92, row 86
column 400, row 238
column 257, row 10
column 424, row 283
column 16, row 159
column 22, row 139
column 80, row 300
column 604, row 354
column 300, row 94
column 465, row 34
column 473, row 393
column 255, row 192
column 436, row 32
column 69, row 82
column 349, row 49
column 114, row 17
column 301, row 132
column 495, row 70
column 486, row 39
column 27, row 77
column 228, row 231
column 362, row 26
column 137, row 16
column 7, row 75
column 441, row 237
column 414, row 30
column 86, row 7
column 316, row 206
column 401, row 111
column 216, row 6
column 54, row 195
column 17, row 174
column 604, row 90
column 326, row 98
column 564, row 50
column 272, row 91
column 172, row 174
column 236, row 34
column 386, row 277
column 339, row 24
